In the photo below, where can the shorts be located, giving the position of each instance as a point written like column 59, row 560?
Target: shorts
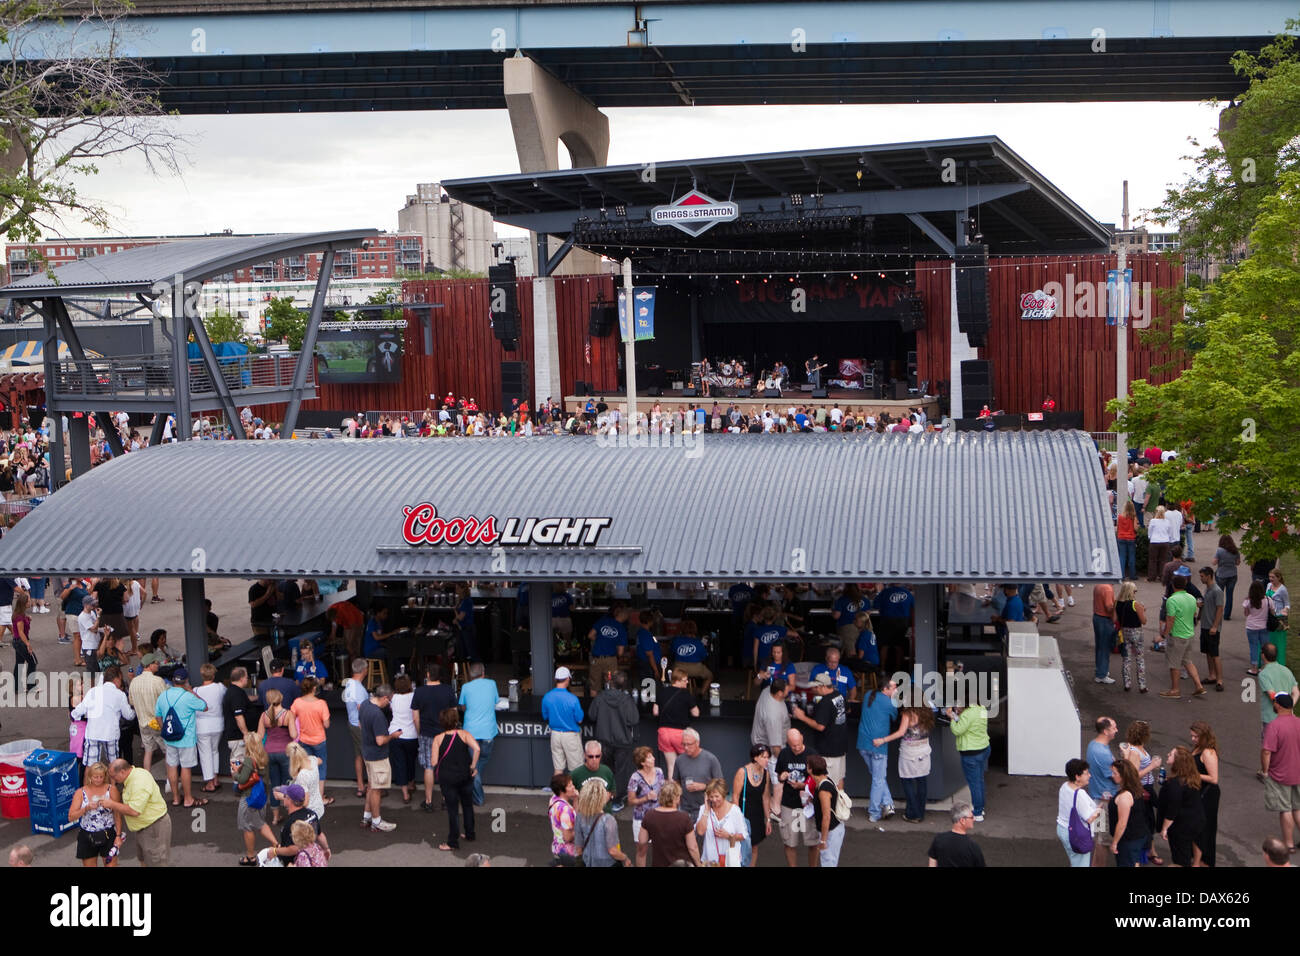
column 670, row 740
column 153, row 844
column 426, row 752
column 99, row 751
column 379, row 773
column 238, row 750
column 87, row 849
column 600, row 666
column 1177, row 651
column 1038, row 595
column 151, row 740
column 797, row 829
column 6, row 615
column 355, row 733
column 1280, row 797
column 1210, row 642
column 182, row 756
column 835, row 768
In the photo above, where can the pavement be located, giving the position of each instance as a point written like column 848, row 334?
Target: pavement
column 1019, row 829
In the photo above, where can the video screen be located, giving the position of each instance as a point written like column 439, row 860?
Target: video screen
column 346, row 355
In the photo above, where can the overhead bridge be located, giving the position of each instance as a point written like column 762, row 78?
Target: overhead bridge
column 267, row 57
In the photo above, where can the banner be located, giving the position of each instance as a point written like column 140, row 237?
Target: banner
column 834, row 299
column 644, row 309
column 852, row 373
column 1119, row 291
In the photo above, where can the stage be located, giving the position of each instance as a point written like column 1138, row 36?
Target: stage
column 846, row 399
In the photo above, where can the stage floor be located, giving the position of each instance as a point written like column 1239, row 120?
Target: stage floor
column 846, row 399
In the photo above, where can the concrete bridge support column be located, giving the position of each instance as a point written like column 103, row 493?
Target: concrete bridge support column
column 545, row 113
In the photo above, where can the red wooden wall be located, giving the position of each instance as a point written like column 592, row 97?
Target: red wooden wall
column 467, row 357
column 1070, row 356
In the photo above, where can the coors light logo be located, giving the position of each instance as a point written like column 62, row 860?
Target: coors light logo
column 1037, row 305
column 422, row 525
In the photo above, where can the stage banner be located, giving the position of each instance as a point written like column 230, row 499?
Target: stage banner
column 1119, row 287
column 853, row 373
column 835, row 299
column 644, row 310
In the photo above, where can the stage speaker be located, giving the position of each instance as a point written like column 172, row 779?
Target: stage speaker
column 581, row 388
column 689, row 393
column 911, row 312
column 976, row 386
column 503, row 303
column 973, row 293
column 655, row 392
column 603, row 319
column 773, row 393
column 744, row 393
column 819, row 393
column 898, row 391
column 514, row 384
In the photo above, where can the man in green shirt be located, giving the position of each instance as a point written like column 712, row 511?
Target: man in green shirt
column 1274, row 679
column 592, row 767
column 1180, row 626
column 145, row 811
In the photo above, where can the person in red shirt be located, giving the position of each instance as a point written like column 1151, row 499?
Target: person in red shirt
column 1153, row 454
column 985, row 413
column 1049, row 404
column 346, row 624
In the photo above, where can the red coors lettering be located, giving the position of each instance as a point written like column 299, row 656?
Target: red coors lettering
column 1037, row 305
column 422, row 525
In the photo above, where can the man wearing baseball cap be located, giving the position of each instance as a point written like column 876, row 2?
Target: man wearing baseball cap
column 1179, row 627
column 562, row 710
column 1274, row 678
column 1280, row 766
column 144, row 692
column 90, row 631
column 182, row 752
column 294, row 798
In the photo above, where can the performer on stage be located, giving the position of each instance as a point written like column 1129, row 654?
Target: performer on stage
column 1049, row 404
column 814, row 370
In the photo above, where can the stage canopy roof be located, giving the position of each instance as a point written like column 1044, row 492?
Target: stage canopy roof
column 904, row 197
column 913, row 508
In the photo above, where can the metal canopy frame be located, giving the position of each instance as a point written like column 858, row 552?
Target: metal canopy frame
column 149, row 273
column 904, row 190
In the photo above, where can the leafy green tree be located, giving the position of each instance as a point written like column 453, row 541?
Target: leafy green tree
column 1234, row 414
column 223, row 326
column 284, row 323
column 68, row 99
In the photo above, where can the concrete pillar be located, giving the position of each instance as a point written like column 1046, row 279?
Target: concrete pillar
column 546, row 343
column 544, row 113
column 195, row 619
column 79, row 444
column 541, row 641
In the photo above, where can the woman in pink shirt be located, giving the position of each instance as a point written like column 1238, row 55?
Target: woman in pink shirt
column 1257, row 606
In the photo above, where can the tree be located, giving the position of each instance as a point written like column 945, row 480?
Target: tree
column 68, row 98
column 284, row 323
column 222, row 326
column 1234, row 414
column 1259, row 143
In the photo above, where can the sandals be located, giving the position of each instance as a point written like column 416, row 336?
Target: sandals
column 447, row 848
column 196, row 803
column 1219, row 686
column 361, row 793
column 327, row 800
column 248, row 861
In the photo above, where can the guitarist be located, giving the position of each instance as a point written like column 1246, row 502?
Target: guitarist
column 814, row 371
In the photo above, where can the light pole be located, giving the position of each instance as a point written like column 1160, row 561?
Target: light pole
column 1121, row 383
column 629, row 347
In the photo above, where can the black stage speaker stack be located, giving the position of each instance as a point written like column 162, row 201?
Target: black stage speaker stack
column 655, row 392
column 514, row 384
column 976, row 387
column 603, row 319
column 973, row 293
column 503, row 303
column 819, row 393
column 911, row 312
column 772, row 393
column 744, row 393
column 689, row 392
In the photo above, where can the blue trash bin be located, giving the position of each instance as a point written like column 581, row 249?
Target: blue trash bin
column 51, row 784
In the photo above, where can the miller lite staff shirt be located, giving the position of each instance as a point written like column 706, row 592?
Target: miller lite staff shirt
column 689, row 650
column 895, row 602
column 610, row 636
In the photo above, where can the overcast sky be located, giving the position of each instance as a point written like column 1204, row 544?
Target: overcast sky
column 308, row 172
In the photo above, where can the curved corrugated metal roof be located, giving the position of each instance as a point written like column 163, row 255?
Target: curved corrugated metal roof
column 928, row 507
column 139, row 269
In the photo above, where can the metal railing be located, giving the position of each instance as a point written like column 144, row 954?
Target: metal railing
column 1105, row 440
column 150, row 376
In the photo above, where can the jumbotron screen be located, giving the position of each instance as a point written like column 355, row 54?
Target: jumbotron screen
column 368, row 351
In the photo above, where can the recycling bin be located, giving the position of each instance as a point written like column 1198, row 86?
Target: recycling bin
column 51, row 784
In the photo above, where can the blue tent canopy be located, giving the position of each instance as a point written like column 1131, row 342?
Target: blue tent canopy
column 231, row 356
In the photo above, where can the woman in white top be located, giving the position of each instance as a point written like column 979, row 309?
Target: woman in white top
column 131, row 611
column 1160, row 537
column 405, row 751
column 1074, row 795
column 211, row 724
column 720, row 827
column 304, row 770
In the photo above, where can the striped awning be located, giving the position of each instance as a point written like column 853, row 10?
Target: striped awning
column 32, row 352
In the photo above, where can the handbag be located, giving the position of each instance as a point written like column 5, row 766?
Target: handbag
column 1080, row 833
column 1272, row 623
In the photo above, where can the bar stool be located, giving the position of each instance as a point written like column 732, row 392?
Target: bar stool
column 376, row 672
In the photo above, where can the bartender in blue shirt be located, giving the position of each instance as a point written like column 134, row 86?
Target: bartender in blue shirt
column 841, row 677
column 647, row 649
